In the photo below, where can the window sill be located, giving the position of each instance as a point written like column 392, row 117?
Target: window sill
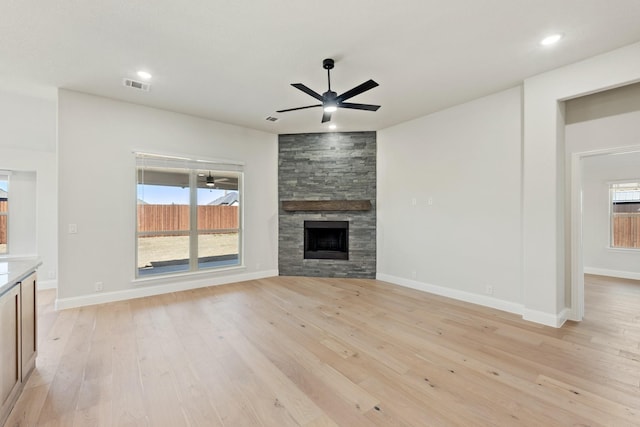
column 628, row 250
column 166, row 278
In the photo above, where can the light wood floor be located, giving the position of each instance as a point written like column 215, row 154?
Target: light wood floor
column 324, row 352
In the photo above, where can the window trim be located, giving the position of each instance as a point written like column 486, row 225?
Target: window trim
column 5, row 176
column 190, row 166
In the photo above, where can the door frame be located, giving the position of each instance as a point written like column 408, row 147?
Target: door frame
column 577, row 251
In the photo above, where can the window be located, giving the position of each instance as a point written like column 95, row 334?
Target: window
column 188, row 215
column 625, row 215
column 4, row 213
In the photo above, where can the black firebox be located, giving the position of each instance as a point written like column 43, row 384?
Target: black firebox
column 326, row 240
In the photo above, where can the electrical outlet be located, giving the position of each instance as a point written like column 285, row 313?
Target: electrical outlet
column 73, row 228
column 413, row 274
column 489, row 290
column 51, row 274
column 430, row 201
column 98, row 286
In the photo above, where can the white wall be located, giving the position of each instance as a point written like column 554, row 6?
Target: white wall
column 27, row 123
column 22, row 214
column 27, row 146
column 598, row 172
column 96, row 140
column 467, row 161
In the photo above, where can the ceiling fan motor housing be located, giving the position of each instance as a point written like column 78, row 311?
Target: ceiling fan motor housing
column 327, row 64
column 329, row 96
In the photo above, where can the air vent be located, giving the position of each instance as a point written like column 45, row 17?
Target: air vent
column 271, row 119
column 136, row 84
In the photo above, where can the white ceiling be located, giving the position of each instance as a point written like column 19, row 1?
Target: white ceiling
column 233, row 60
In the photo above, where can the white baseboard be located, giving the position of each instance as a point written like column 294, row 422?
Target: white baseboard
column 486, row 301
column 47, row 284
column 547, row 319
column 612, row 273
column 553, row 320
column 145, row 291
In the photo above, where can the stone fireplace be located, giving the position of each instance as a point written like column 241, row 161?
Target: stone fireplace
column 327, row 215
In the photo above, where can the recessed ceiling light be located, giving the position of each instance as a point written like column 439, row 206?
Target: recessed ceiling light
column 552, row 39
column 144, row 75
column 332, row 126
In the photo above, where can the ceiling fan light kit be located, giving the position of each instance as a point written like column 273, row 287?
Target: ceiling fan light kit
column 210, row 181
column 331, row 101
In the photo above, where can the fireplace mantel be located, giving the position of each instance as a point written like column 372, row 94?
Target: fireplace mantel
column 326, row 205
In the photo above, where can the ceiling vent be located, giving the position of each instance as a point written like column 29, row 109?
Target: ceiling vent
column 271, row 119
column 136, row 84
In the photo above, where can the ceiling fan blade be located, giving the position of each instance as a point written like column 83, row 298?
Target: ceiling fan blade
column 326, row 117
column 369, row 84
column 308, row 91
column 368, row 107
column 298, row 108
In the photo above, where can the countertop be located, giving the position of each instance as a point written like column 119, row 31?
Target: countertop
column 14, row 270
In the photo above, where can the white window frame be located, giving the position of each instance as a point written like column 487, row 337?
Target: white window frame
column 4, row 176
column 612, row 189
column 191, row 167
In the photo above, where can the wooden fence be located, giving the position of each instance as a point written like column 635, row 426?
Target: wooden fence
column 626, row 230
column 176, row 217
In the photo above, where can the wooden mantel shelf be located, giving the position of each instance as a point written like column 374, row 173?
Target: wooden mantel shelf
column 326, row 205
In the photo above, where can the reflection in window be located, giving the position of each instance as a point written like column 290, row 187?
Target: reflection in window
column 218, row 218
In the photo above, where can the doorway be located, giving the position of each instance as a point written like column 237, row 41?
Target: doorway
column 600, row 128
column 592, row 174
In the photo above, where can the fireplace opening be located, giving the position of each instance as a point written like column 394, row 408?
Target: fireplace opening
column 326, row 240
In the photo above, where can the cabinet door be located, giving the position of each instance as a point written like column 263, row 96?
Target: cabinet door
column 9, row 349
column 28, row 308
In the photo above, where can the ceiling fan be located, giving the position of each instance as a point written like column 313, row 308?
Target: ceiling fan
column 331, row 101
column 218, row 182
